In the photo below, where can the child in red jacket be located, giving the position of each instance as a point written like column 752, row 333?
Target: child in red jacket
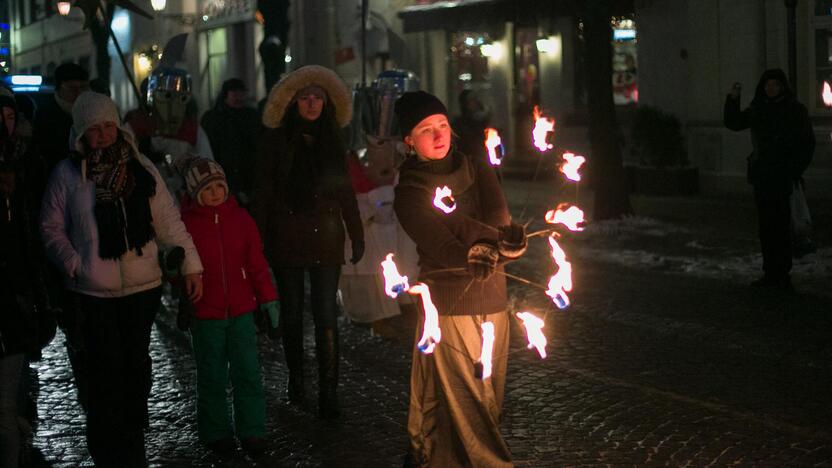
column 236, row 279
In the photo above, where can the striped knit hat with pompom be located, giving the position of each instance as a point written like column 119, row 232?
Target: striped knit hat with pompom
column 200, row 172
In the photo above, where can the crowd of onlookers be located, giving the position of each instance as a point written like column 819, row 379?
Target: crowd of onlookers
column 103, row 214
column 90, row 237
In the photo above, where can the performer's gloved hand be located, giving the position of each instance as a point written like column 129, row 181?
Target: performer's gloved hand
column 512, row 240
column 271, row 310
column 357, row 251
column 482, row 260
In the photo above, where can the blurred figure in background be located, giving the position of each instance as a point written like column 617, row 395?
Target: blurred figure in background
column 234, row 128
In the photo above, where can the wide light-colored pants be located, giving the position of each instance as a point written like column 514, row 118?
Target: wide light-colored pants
column 454, row 418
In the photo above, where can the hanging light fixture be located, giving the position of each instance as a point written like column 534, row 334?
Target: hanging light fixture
column 158, row 5
column 64, row 7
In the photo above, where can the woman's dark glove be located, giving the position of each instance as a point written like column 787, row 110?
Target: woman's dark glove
column 512, row 240
column 185, row 314
column 482, row 260
column 357, row 251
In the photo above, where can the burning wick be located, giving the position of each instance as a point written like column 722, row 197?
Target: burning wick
column 572, row 217
column 542, row 127
column 394, row 283
column 482, row 368
column 534, row 332
column 494, row 145
column 561, row 282
column 431, row 334
column 439, row 202
column 827, row 94
column 570, row 166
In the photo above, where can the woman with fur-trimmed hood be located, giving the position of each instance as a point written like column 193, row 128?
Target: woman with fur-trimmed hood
column 303, row 198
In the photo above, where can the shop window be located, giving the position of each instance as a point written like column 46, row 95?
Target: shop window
column 624, row 61
column 624, row 83
column 469, row 60
column 822, row 56
column 823, row 7
column 217, row 60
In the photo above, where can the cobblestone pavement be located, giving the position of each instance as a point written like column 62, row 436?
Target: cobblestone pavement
column 659, row 361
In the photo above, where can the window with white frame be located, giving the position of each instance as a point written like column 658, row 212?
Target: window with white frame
column 821, row 24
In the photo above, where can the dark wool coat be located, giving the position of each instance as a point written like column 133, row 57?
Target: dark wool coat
column 781, row 135
column 25, row 323
column 236, row 277
column 234, row 135
column 51, row 133
column 311, row 236
column 443, row 240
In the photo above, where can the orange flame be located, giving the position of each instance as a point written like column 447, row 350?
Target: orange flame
column 534, row 332
column 561, row 282
column 572, row 217
column 394, row 283
column 492, row 142
column 483, row 368
column 431, row 334
column 827, row 94
column 542, row 127
column 439, row 202
column 570, row 166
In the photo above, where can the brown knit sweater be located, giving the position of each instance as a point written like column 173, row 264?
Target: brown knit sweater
column 443, row 240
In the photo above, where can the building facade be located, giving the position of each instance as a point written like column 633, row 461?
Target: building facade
column 678, row 55
column 691, row 52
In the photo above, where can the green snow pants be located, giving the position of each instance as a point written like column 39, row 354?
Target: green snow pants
column 221, row 346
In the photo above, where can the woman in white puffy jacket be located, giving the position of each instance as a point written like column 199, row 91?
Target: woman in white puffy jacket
column 105, row 210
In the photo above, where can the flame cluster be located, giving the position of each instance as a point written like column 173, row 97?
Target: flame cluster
column 570, row 216
column 543, row 127
column 494, row 146
column 444, row 199
column 431, row 333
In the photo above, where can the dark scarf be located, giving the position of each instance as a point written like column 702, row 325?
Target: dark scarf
column 123, row 188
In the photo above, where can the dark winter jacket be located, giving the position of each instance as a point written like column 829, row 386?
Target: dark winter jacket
column 234, row 135
column 25, row 322
column 236, row 276
column 302, row 201
column 51, row 133
column 443, row 240
column 781, row 135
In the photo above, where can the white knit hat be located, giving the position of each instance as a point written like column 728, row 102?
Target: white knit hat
column 92, row 108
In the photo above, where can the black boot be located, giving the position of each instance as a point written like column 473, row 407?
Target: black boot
column 293, row 349
column 326, row 350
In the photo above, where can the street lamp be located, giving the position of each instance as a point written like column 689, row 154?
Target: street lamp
column 158, row 5
column 64, row 7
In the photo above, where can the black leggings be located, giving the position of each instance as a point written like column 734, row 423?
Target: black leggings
column 323, row 290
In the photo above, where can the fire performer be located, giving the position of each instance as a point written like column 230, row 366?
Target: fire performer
column 303, row 199
column 454, row 416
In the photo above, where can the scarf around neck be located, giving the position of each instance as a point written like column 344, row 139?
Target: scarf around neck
column 123, row 188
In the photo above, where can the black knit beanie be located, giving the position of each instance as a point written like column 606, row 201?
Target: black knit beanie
column 414, row 106
column 70, row 72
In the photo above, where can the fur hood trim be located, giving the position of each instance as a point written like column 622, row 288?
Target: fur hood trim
column 284, row 91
